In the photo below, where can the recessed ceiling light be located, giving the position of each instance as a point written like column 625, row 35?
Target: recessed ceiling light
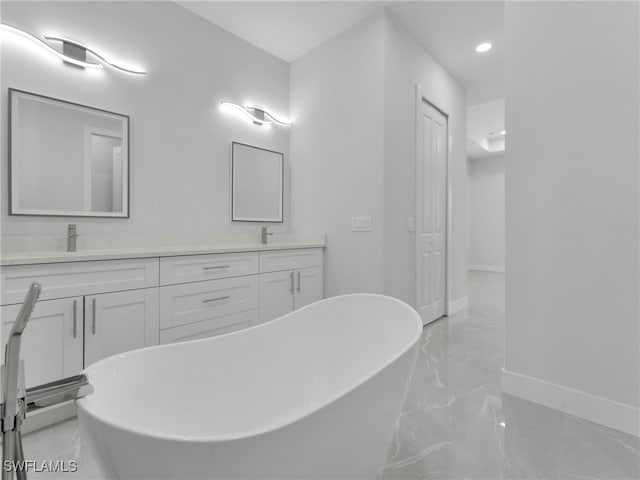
column 503, row 132
column 483, row 47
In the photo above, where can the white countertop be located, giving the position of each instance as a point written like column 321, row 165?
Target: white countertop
column 102, row 250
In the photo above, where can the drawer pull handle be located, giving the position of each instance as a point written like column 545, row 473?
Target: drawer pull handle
column 216, row 268
column 93, row 324
column 215, row 299
column 298, row 281
column 291, row 287
column 75, row 318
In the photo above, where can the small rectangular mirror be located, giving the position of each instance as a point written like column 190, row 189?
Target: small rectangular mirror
column 256, row 184
column 66, row 159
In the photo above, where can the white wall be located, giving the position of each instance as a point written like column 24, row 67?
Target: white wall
column 486, row 215
column 337, row 105
column 572, row 208
column 353, row 154
column 180, row 138
column 407, row 63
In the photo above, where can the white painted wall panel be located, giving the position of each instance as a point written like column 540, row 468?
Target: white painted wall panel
column 180, row 138
column 573, row 198
column 486, row 214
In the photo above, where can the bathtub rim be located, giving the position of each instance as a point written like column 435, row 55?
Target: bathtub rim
column 82, row 402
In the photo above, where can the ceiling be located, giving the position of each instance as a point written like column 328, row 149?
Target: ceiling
column 449, row 29
column 286, row 29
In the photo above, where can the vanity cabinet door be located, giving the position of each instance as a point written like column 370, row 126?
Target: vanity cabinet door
column 51, row 344
column 119, row 322
column 276, row 294
column 308, row 286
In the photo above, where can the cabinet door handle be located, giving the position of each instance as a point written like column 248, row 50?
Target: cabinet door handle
column 215, row 299
column 216, row 267
column 93, row 323
column 75, row 318
column 291, row 278
column 298, row 281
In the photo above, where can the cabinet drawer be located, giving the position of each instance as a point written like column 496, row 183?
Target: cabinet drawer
column 278, row 260
column 196, row 302
column 61, row 280
column 210, row 328
column 195, row 268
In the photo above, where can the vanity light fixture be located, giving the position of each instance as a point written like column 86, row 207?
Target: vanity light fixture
column 73, row 52
column 257, row 115
column 82, row 50
column 483, row 47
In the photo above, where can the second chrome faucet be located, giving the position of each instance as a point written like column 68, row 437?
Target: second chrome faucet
column 263, row 235
column 72, row 235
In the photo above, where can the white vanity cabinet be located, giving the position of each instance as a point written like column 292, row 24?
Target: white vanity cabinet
column 202, row 307
column 118, row 322
column 89, row 310
column 80, row 318
column 52, row 345
column 291, row 279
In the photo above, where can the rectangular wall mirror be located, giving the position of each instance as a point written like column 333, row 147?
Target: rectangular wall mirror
column 256, row 184
column 66, row 159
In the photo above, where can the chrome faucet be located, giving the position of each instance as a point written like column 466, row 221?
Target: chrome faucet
column 13, row 406
column 72, row 235
column 17, row 401
column 263, row 235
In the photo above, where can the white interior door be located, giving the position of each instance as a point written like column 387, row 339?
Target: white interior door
column 431, row 212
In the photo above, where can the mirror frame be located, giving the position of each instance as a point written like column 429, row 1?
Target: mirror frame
column 14, row 209
column 235, row 218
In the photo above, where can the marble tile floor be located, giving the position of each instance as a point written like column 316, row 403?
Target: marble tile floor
column 456, row 423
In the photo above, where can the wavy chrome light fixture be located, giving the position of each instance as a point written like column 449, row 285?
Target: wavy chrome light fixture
column 72, row 52
column 66, row 42
column 257, row 114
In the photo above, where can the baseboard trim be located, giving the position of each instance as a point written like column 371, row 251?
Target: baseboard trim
column 486, row 268
column 609, row 413
column 458, row 305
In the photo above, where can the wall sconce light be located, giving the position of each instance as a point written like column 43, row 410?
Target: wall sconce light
column 257, row 115
column 74, row 53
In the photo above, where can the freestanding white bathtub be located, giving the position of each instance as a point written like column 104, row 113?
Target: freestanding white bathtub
column 314, row 394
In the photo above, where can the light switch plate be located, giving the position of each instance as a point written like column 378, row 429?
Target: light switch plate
column 360, row 224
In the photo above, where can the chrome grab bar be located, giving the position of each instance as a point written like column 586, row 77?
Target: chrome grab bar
column 216, row 299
